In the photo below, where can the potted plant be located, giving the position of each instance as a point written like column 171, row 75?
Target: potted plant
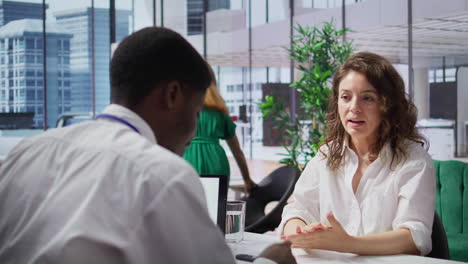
column 317, row 53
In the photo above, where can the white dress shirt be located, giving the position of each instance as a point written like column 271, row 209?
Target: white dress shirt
column 386, row 198
column 98, row 192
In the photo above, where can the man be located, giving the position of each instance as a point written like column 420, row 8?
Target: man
column 115, row 190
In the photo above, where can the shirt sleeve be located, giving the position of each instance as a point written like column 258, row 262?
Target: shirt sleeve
column 306, row 201
column 416, row 201
column 230, row 127
column 176, row 227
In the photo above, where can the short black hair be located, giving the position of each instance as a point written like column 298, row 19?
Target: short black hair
column 151, row 56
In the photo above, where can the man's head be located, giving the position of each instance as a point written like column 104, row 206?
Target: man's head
column 159, row 75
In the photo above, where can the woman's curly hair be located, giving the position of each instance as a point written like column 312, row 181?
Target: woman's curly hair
column 399, row 115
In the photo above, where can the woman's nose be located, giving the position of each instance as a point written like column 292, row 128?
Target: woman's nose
column 355, row 106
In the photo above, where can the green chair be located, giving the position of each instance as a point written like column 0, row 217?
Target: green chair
column 452, row 205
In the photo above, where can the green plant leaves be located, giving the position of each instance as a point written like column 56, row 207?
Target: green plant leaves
column 318, row 52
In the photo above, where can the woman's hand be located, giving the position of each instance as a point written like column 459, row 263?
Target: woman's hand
column 249, row 185
column 320, row 236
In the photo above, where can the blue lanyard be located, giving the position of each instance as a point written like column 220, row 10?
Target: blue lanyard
column 120, row 120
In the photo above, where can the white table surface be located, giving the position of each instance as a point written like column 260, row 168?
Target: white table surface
column 253, row 244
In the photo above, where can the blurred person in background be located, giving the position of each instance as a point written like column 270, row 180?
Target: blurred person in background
column 205, row 153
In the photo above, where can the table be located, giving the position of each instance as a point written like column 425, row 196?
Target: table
column 253, row 244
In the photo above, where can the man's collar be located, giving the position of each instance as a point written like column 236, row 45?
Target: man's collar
column 133, row 118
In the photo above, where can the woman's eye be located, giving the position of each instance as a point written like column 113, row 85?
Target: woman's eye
column 344, row 97
column 369, row 98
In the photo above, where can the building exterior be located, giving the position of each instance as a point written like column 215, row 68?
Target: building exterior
column 79, row 23
column 195, row 13
column 14, row 10
column 21, row 70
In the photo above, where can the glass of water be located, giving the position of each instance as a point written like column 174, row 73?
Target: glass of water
column 235, row 221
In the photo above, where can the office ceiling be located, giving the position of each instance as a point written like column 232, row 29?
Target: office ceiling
column 433, row 39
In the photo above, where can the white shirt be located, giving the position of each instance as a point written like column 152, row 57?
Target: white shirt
column 385, row 199
column 98, row 192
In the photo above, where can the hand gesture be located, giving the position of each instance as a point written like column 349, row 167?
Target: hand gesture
column 320, row 236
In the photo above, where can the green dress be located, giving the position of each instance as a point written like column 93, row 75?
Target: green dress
column 204, row 152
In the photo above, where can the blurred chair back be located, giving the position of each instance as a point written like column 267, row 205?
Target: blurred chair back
column 440, row 248
column 277, row 186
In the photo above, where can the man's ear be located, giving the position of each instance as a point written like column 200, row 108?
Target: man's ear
column 172, row 94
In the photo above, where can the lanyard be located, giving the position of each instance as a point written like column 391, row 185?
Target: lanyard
column 120, row 120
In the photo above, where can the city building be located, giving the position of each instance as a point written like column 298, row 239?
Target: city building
column 21, row 70
column 195, row 13
column 14, row 10
column 79, row 23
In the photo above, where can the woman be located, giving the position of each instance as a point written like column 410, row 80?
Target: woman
column 371, row 189
column 204, row 152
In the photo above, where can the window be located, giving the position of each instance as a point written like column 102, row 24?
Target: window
column 20, row 43
column 29, row 44
column 30, row 94
column 39, row 43
column 67, row 95
column 450, row 75
column 66, row 45
column 29, row 58
column 439, row 75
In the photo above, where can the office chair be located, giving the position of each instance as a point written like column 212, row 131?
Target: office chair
column 440, row 248
column 277, row 186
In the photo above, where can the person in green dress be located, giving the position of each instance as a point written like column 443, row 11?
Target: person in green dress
column 205, row 153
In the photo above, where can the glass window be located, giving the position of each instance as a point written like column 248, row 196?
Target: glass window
column 39, row 43
column 67, row 94
column 30, row 95
column 450, row 75
column 29, row 44
column 439, row 75
column 30, row 58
